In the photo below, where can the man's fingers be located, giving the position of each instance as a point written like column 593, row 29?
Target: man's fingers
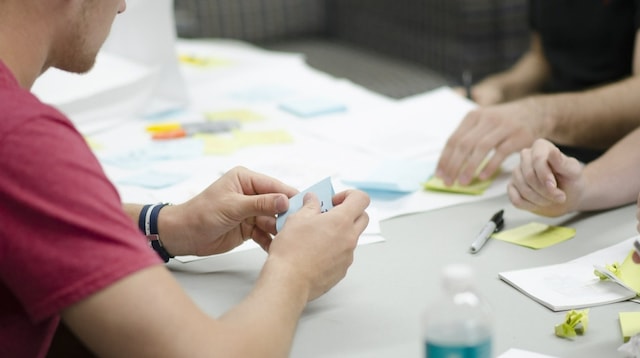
column 563, row 165
column 311, row 203
column 255, row 183
column 265, row 204
column 351, row 202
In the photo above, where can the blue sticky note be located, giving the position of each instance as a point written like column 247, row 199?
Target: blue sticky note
column 311, row 107
column 132, row 159
column 398, row 176
column 137, row 158
column 263, row 93
column 183, row 148
column 323, row 190
column 153, row 179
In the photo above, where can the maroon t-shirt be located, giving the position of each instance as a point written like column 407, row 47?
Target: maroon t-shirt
column 63, row 232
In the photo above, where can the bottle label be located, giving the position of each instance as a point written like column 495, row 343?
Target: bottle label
column 480, row 350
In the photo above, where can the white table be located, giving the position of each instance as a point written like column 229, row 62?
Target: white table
column 375, row 311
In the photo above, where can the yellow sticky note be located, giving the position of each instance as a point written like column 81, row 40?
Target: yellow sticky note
column 93, row 144
column 216, row 144
column 202, row 61
column 241, row 115
column 536, row 235
column 476, row 187
column 629, row 273
column 629, row 324
column 247, row 138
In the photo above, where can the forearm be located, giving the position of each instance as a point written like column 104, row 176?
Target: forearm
column 271, row 311
column 614, row 178
column 132, row 210
column 142, row 305
column 527, row 76
column 595, row 118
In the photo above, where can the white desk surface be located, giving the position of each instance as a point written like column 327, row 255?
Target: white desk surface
column 375, row 311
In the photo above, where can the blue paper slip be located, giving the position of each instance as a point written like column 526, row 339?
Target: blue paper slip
column 323, row 190
column 311, row 107
column 263, row 93
column 398, row 176
column 153, row 179
column 137, row 158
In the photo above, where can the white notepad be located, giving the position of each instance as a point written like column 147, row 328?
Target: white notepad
column 573, row 285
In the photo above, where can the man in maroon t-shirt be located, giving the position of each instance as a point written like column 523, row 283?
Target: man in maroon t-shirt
column 71, row 256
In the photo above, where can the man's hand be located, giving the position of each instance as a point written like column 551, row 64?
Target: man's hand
column 502, row 129
column 547, row 182
column 317, row 246
column 240, row 205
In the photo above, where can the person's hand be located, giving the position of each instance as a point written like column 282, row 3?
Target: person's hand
column 317, row 248
column 240, row 205
column 547, row 182
column 503, row 129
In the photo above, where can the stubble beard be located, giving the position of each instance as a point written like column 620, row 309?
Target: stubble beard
column 78, row 55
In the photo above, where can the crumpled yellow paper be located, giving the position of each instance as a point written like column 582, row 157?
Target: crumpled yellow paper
column 575, row 323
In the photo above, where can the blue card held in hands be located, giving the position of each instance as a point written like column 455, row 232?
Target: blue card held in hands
column 323, row 190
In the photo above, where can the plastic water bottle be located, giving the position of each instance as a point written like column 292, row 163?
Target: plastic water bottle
column 459, row 324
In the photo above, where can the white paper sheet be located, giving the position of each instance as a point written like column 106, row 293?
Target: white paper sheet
column 136, row 71
column 573, row 285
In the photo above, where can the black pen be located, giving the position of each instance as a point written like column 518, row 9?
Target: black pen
column 494, row 225
column 467, row 81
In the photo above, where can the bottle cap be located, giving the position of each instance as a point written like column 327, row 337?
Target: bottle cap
column 457, row 276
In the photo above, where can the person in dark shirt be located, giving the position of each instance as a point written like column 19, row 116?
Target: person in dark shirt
column 576, row 86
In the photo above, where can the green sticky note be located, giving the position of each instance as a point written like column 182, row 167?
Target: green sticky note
column 629, row 324
column 536, row 235
column 476, row 187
